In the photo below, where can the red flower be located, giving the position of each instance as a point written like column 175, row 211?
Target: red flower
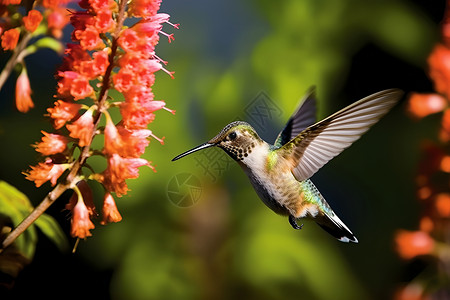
column 144, row 8
column 56, row 21
column 123, row 80
column 81, row 88
column 45, row 171
column 126, row 143
column 439, row 62
column 119, row 169
column 81, row 222
column 51, row 144
column 410, row 244
column 89, row 38
column 65, row 83
column 10, row 39
column 87, row 195
column 83, row 128
column 32, row 20
column 101, row 62
column 63, row 112
column 422, row 105
column 23, row 92
column 104, row 21
column 110, row 212
column 128, row 40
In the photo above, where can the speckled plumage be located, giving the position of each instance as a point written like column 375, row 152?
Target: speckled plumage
column 280, row 173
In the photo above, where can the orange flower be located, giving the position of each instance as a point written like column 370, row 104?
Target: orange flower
column 10, row 39
column 422, row 105
column 51, row 144
column 426, row 224
column 119, row 169
column 445, row 164
column 32, row 20
column 439, row 63
column 88, row 198
column 144, row 8
column 45, row 171
column 63, row 112
column 23, row 92
column 83, row 128
column 410, row 244
column 56, row 21
column 110, row 212
column 89, row 38
column 81, row 222
column 442, row 203
column 80, row 88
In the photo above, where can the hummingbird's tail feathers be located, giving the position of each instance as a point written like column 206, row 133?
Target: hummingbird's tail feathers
column 334, row 226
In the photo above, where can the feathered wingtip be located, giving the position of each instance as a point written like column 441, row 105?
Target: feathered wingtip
column 334, row 226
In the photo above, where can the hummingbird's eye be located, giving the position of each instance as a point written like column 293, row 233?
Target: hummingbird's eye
column 232, row 135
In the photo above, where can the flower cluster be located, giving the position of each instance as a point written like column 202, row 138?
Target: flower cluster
column 433, row 189
column 104, row 55
column 44, row 23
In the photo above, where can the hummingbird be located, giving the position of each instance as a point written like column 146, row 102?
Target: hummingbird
column 280, row 173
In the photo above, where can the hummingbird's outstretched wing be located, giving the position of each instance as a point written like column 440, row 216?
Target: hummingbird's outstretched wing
column 304, row 116
column 322, row 141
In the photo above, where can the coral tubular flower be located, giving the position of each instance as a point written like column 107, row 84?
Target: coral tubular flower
column 45, row 171
column 81, row 88
column 110, row 212
column 89, row 38
column 144, row 8
column 83, row 128
column 51, row 144
column 439, row 63
column 63, row 112
column 119, row 169
column 10, row 39
column 81, row 222
column 125, row 142
column 112, row 52
column 23, row 92
column 410, row 244
column 32, row 20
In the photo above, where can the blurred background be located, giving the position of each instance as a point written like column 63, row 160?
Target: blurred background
column 196, row 229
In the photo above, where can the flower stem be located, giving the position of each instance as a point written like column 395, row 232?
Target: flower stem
column 71, row 178
column 14, row 59
column 39, row 210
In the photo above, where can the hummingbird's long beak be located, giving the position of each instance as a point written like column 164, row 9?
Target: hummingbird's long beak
column 202, row 146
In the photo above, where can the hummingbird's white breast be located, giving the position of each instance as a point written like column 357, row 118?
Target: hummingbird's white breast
column 276, row 188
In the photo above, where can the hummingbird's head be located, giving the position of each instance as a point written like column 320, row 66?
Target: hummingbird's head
column 237, row 139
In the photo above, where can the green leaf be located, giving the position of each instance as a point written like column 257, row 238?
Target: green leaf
column 50, row 43
column 46, row 42
column 14, row 207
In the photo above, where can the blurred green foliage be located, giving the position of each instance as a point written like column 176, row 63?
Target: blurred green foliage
column 229, row 245
column 14, row 207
